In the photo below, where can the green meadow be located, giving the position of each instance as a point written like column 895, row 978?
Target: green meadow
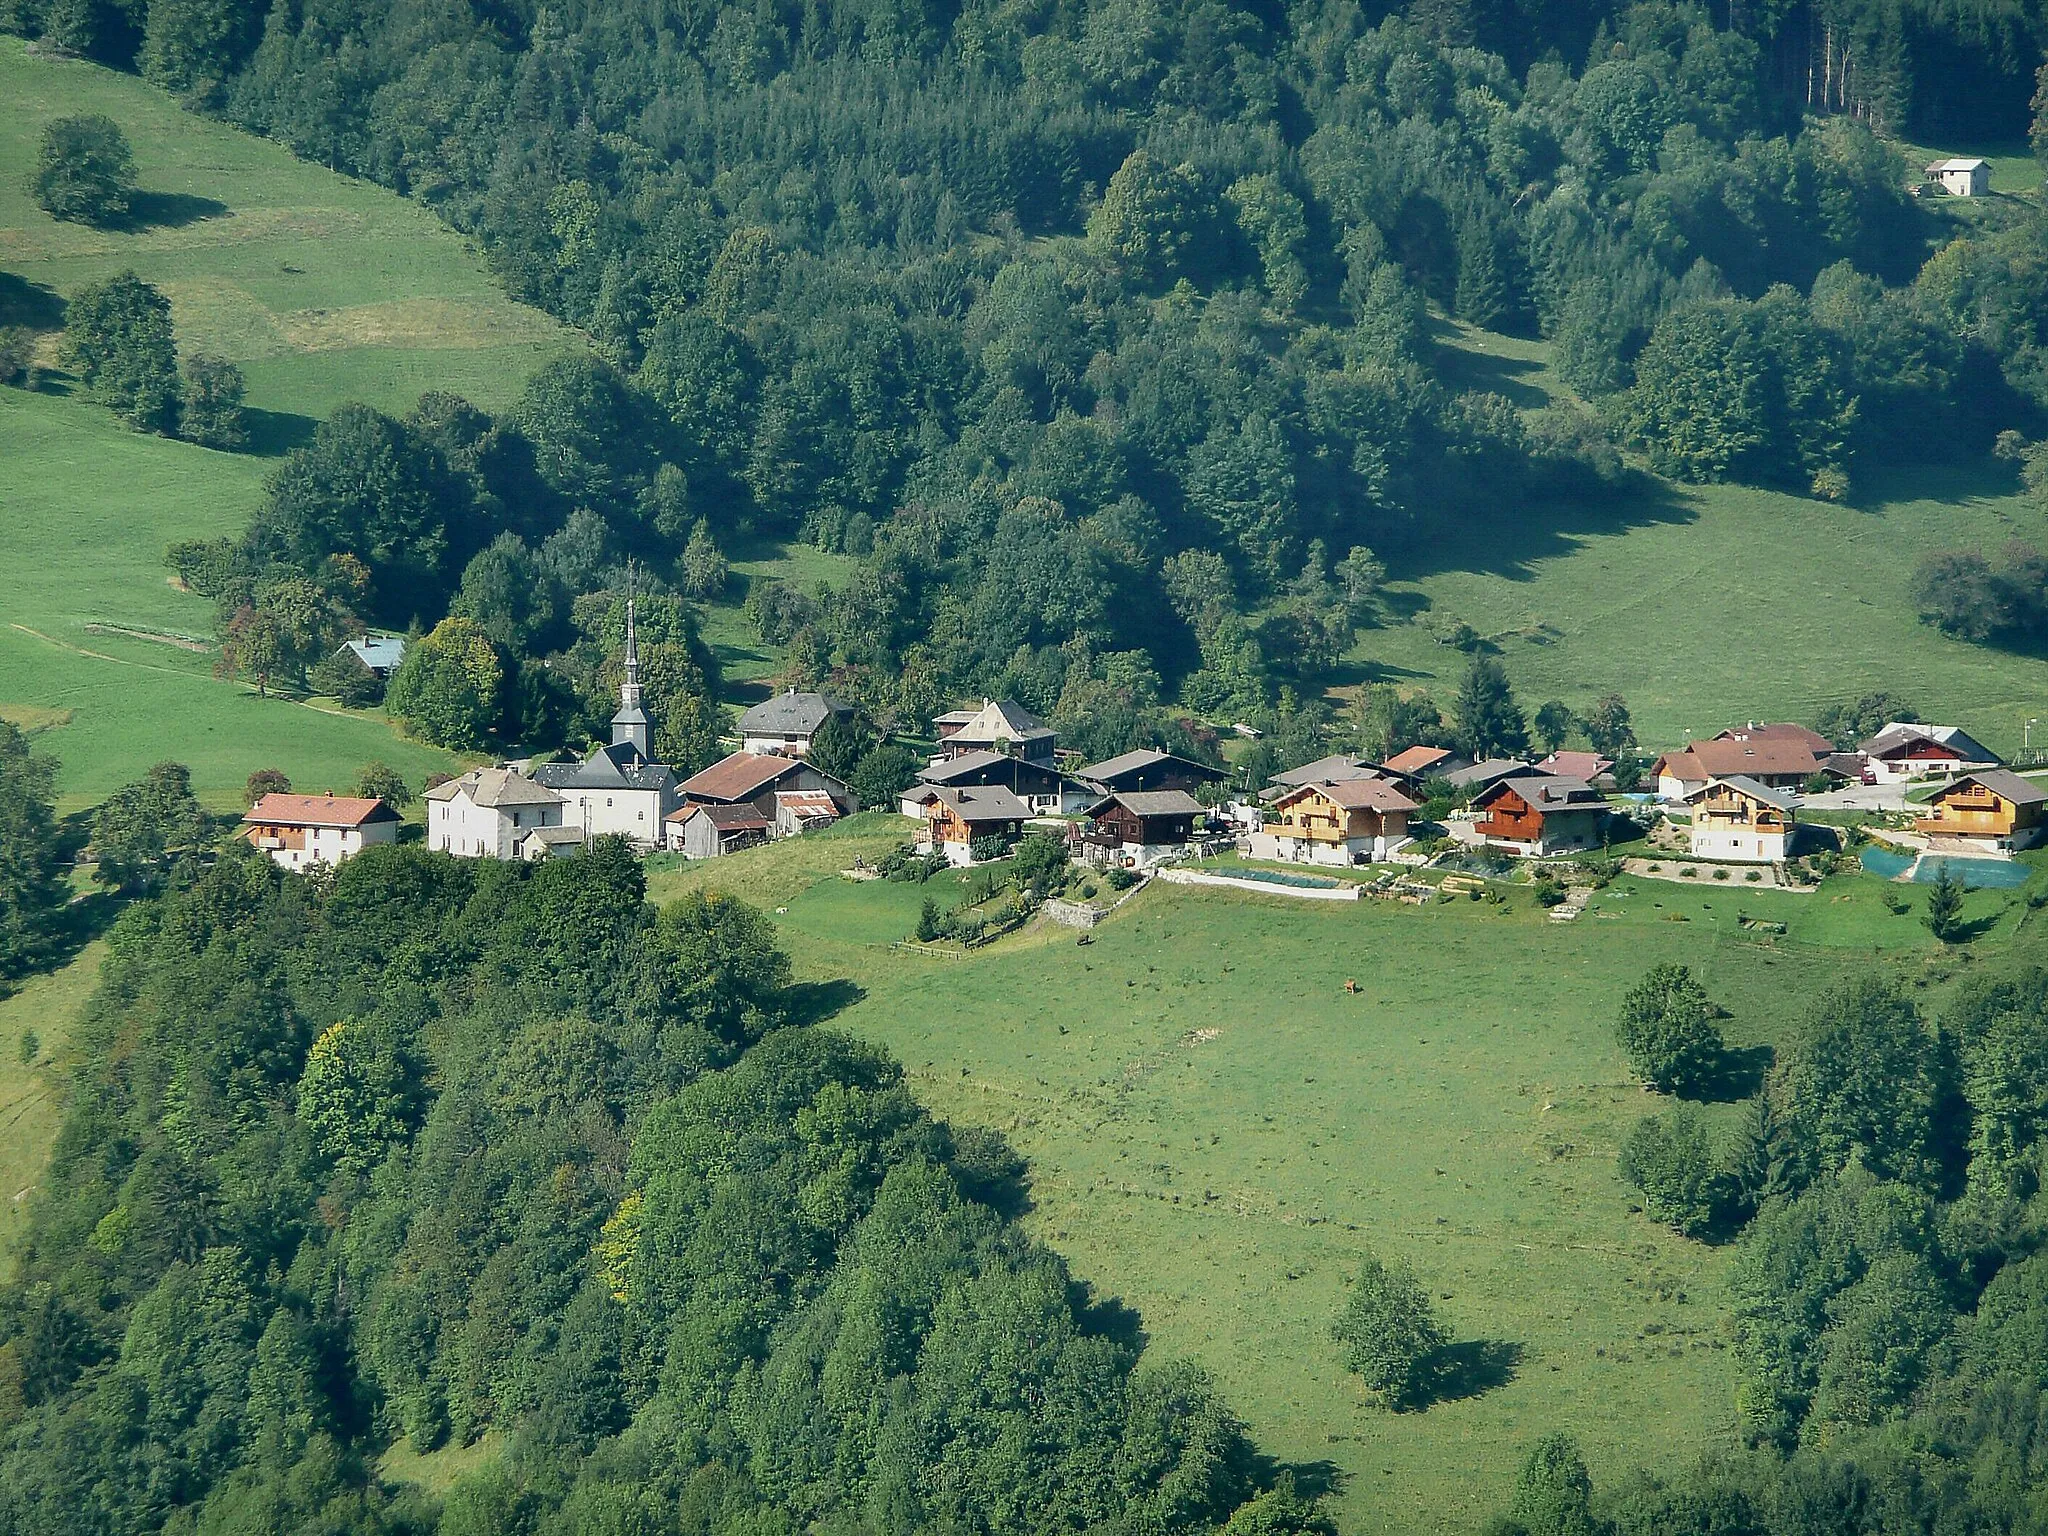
column 324, row 290
column 1705, row 606
column 1217, row 1130
column 31, row 1089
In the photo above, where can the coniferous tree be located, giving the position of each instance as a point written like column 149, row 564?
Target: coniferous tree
column 1490, row 722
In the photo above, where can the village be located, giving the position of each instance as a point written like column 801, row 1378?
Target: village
column 1757, row 799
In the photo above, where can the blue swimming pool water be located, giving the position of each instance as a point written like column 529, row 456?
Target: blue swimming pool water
column 1976, row 874
column 1278, row 877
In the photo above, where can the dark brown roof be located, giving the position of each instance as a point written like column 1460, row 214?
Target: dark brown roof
column 1546, row 794
column 741, row 776
column 2002, row 782
column 1151, row 802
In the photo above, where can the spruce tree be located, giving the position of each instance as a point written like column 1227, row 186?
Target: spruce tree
column 1490, row 722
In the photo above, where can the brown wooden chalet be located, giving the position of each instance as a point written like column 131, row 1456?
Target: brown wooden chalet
column 1141, row 820
column 1146, row 769
column 1541, row 816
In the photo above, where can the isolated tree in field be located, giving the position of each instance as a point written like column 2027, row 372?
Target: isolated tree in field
column 1360, row 575
column 928, row 917
column 1945, row 906
column 31, row 886
column 1390, row 1334
column 1553, row 1493
column 17, row 355
column 446, row 689
column 266, row 781
column 1667, row 1031
column 381, row 781
column 1553, row 724
column 1670, row 1158
column 705, row 571
column 1490, row 722
column 85, row 172
column 1608, row 727
column 211, row 414
column 117, row 337
column 144, row 827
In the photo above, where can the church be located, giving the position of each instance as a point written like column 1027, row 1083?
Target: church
column 618, row 788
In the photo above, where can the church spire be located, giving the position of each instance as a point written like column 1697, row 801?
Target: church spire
column 629, row 725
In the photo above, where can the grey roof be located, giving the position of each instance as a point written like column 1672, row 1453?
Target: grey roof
column 1756, row 789
column 727, row 818
column 495, row 787
column 791, row 714
column 1900, row 733
column 380, row 653
column 2005, row 784
column 1151, row 802
column 1133, row 762
column 1547, row 793
column 969, row 764
column 987, row 802
column 1329, row 770
column 1955, row 163
column 554, row 836
column 1494, row 769
column 618, row 766
column 1003, row 720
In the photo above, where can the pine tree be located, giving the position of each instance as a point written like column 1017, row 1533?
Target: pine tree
column 1490, row 722
column 1945, row 907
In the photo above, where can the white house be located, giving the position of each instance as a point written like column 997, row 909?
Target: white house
column 1905, row 751
column 1742, row 821
column 1000, row 725
column 786, row 723
column 487, row 813
column 299, row 831
column 1960, row 177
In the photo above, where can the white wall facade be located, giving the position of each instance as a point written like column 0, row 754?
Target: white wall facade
column 1738, row 845
column 460, row 826
column 331, row 845
column 633, row 813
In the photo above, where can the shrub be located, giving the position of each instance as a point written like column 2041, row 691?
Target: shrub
column 1666, row 1029
column 983, row 849
column 1119, row 878
column 1720, row 874
column 17, row 355
column 1390, row 1334
column 85, row 172
column 1753, row 876
column 1670, row 1158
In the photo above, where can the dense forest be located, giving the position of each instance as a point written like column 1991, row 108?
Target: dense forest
column 1103, row 336
column 431, row 1149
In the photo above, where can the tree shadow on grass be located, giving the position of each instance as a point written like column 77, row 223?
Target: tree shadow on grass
column 1312, row 1479
column 813, row 1002
column 1508, row 541
column 1738, row 1075
column 168, row 210
column 34, row 305
column 272, row 434
column 1108, row 1317
column 1470, row 1368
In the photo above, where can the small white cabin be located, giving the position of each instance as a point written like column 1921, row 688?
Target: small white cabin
column 1961, row 177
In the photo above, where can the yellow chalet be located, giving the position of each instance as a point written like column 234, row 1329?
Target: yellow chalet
column 1353, row 821
column 1742, row 820
column 1996, row 808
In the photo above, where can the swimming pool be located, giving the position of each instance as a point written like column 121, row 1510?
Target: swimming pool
column 1976, row 874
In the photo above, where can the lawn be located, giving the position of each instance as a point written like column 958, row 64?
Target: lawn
column 1217, row 1131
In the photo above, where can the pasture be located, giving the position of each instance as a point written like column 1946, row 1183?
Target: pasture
column 86, row 511
column 1217, row 1131
column 31, row 1104
column 1705, row 606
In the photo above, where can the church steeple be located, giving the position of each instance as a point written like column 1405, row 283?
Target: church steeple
column 629, row 725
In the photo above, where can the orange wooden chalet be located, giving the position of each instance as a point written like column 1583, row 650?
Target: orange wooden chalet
column 1536, row 817
column 1996, row 808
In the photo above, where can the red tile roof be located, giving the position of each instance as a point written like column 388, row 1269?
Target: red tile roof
column 318, row 811
column 1417, row 759
column 738, row 777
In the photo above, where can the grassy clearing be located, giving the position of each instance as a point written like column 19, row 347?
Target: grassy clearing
column 30, row 1104
column 1708, row 605
column 1217, row 1131
column 86, row 512
column 323, row 288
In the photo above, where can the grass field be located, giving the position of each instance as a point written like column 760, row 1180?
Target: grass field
column 30, row 1107
column 324, row 289
column 1706, row 606
column 1217, row 1131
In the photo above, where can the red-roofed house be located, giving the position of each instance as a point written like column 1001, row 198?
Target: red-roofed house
column 299, row 831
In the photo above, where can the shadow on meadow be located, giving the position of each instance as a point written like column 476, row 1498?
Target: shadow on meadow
column 1470, row 1368
column 273, row 434
column 35, row 305
column 168, row 210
